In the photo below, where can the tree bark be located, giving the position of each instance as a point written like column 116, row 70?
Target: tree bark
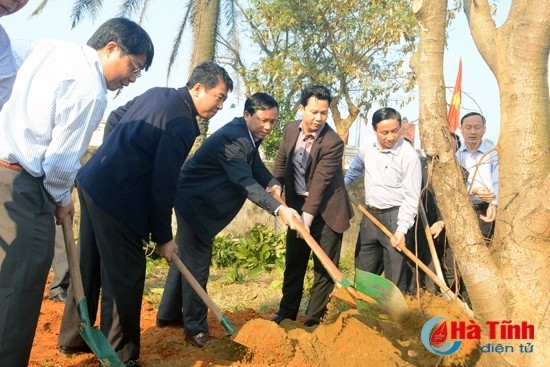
column 517, row 53
column 205, row 28
column 509, row 279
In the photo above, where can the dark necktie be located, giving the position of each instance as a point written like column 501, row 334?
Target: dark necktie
column 308, row 139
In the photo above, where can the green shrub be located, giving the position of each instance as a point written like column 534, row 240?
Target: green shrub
column 251, row 255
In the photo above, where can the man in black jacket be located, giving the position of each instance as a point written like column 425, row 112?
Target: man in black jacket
column 126, row 192
column 213, row 186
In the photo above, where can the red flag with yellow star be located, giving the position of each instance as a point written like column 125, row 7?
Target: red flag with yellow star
column 454, row 107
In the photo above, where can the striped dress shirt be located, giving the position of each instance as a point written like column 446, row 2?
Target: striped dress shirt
column 58, row 100
column 8, row 67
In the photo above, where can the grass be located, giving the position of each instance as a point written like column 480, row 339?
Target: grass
column 262, row 294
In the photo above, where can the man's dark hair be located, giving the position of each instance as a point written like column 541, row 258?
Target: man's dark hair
column 318, row 91
column 259, row 102
column 454, row 136
column 128, row 35
column 469, row 114
column 209, row 74
column 385, row 113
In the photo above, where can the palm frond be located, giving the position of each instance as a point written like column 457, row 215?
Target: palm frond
column 39, row 8
column 177, row 40
column 83, row 8
column 129, row 8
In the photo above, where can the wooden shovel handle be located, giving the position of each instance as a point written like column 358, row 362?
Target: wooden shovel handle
column 72, row 259
column 334, row 273
column 416, row 260
column 429, row 239
column 406, row 251
column 197, row 287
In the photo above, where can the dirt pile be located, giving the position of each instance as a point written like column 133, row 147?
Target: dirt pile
column 347, row 338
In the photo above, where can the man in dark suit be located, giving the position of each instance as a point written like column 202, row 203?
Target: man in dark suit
column 309, row 165
column 213, row 186
column 127, row 192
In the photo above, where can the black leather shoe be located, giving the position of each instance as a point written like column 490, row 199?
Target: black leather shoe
column 131, row 364
column 310, row 323
column 198, row 340
column 60, row 297
column 167, row 323
column 71, row 351
column 277, row 319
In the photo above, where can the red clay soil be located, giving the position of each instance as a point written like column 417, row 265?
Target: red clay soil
column 347, row 339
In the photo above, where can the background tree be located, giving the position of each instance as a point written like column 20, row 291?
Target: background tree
column 356, row 47
column 509, row 279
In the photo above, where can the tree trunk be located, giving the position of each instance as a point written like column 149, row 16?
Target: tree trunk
column 205, row 29
column 509, row 279
column 517, row 53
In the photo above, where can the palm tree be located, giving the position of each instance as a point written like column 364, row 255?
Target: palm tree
column 208, row 20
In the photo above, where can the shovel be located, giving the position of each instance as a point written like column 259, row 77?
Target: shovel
column 401, row 247
column 431, row 245
column 232, row 348
column 93, row 337
column 383, row 293
column 224, row 321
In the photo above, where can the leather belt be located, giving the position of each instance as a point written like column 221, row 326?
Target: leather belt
column 12, row 166
column 480, row 206
column 374, row 210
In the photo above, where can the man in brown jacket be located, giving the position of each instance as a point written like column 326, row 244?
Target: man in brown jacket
column 309, row 165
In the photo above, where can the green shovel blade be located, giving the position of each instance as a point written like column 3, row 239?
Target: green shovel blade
column 389, row 299
column 95, row 339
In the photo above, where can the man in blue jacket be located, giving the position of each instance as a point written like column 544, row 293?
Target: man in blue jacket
column 127, row 192
column 213, row 186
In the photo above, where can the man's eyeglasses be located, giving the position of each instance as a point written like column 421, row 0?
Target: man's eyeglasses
column 137, row 70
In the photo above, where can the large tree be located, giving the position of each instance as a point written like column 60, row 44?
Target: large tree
column 509, row 279
column 356, row 47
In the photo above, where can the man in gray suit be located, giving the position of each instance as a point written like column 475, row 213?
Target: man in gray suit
column 212, row 188
column 309, row 164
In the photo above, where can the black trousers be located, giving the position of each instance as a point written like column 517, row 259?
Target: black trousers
column 178, row 297
column 112, row 263
column 374, row 252
column 297, row 257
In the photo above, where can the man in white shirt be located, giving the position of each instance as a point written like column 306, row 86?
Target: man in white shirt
column 8, row 64
column 58, row 99
column 392, row 175
column 480, row 159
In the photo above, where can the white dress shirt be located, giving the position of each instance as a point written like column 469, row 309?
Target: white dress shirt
column 482, row 173
column 8, row 67
column 58, row 100
column 393, row 177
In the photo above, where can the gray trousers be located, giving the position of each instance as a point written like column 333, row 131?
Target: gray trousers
column 374, row 252
column 60, row 266
column 27, row 232
column 178, row 297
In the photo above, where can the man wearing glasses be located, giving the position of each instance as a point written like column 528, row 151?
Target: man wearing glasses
column 58, row 99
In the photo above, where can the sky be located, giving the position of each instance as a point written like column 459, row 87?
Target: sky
column 480, row 90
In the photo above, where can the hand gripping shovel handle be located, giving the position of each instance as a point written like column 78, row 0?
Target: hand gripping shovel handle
column 203, row 295
column 415, row 259
column 335, row 274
